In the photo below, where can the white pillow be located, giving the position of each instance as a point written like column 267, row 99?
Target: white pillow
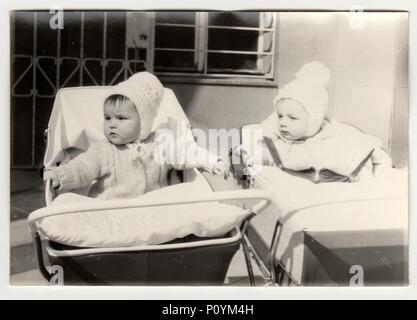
column 140, row 226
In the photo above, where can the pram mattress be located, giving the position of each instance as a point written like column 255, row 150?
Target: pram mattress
column 140, row 226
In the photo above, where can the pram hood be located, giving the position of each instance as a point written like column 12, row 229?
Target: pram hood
column 76, row 119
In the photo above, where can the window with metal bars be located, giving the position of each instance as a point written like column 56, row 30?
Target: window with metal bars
column 215, row 44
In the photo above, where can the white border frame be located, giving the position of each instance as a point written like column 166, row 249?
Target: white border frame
column 9, row 292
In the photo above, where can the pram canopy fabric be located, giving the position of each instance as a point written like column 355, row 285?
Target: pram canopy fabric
column 76, row 120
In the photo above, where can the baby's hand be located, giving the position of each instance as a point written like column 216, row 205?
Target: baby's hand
column 222, row 169
column 244, row 157
column 51, row 175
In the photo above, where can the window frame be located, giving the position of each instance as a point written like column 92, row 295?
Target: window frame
column 201, row 49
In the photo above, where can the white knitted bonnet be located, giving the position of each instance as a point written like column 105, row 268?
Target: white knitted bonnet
column 309, row 89
column 145, row 91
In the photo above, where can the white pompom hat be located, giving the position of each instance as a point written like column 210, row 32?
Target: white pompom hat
column 309, row 89
column 145, row 91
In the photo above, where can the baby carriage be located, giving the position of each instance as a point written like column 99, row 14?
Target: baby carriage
column 181, row 234
column 329, row 234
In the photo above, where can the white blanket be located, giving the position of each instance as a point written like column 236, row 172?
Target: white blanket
column 140, row 226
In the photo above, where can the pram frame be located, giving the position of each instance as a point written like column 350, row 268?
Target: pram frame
column 269, row 262
column 42, row 213
column 188, row 176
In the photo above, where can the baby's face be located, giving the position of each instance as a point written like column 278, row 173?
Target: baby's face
column 292, row 119
column 121, row 123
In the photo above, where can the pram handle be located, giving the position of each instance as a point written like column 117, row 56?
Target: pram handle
column 49, row 193
column 42, row 213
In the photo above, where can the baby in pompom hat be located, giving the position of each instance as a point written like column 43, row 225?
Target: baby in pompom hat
column 302, row 104
column 299, row 138
column 126, row 166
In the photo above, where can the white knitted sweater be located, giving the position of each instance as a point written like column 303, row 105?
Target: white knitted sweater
column 117, row 172
column 337, row 147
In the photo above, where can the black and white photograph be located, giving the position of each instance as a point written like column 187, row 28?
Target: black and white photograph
column 209, row 148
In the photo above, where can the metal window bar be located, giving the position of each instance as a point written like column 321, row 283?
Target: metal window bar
column 206, row 40
column 125, row 67
column 77, row 67
column 103, row 62
column 202, row 42
column 233, row 77
column 34, row 66
column 177, row 50
column 197, row 39
column 201, row 50
column 58, row 54
column 261, row 39
column 126, row 52
column 158, row 24
column 150, row 57
column 35, row 36
column 28, row 68
column 43, row 72
column 258, row 53
column 260, row 29
column 82, row 45
column 274, row 44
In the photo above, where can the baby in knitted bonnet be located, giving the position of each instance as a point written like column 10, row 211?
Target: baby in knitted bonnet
column 125, row 165
column 300, row 139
